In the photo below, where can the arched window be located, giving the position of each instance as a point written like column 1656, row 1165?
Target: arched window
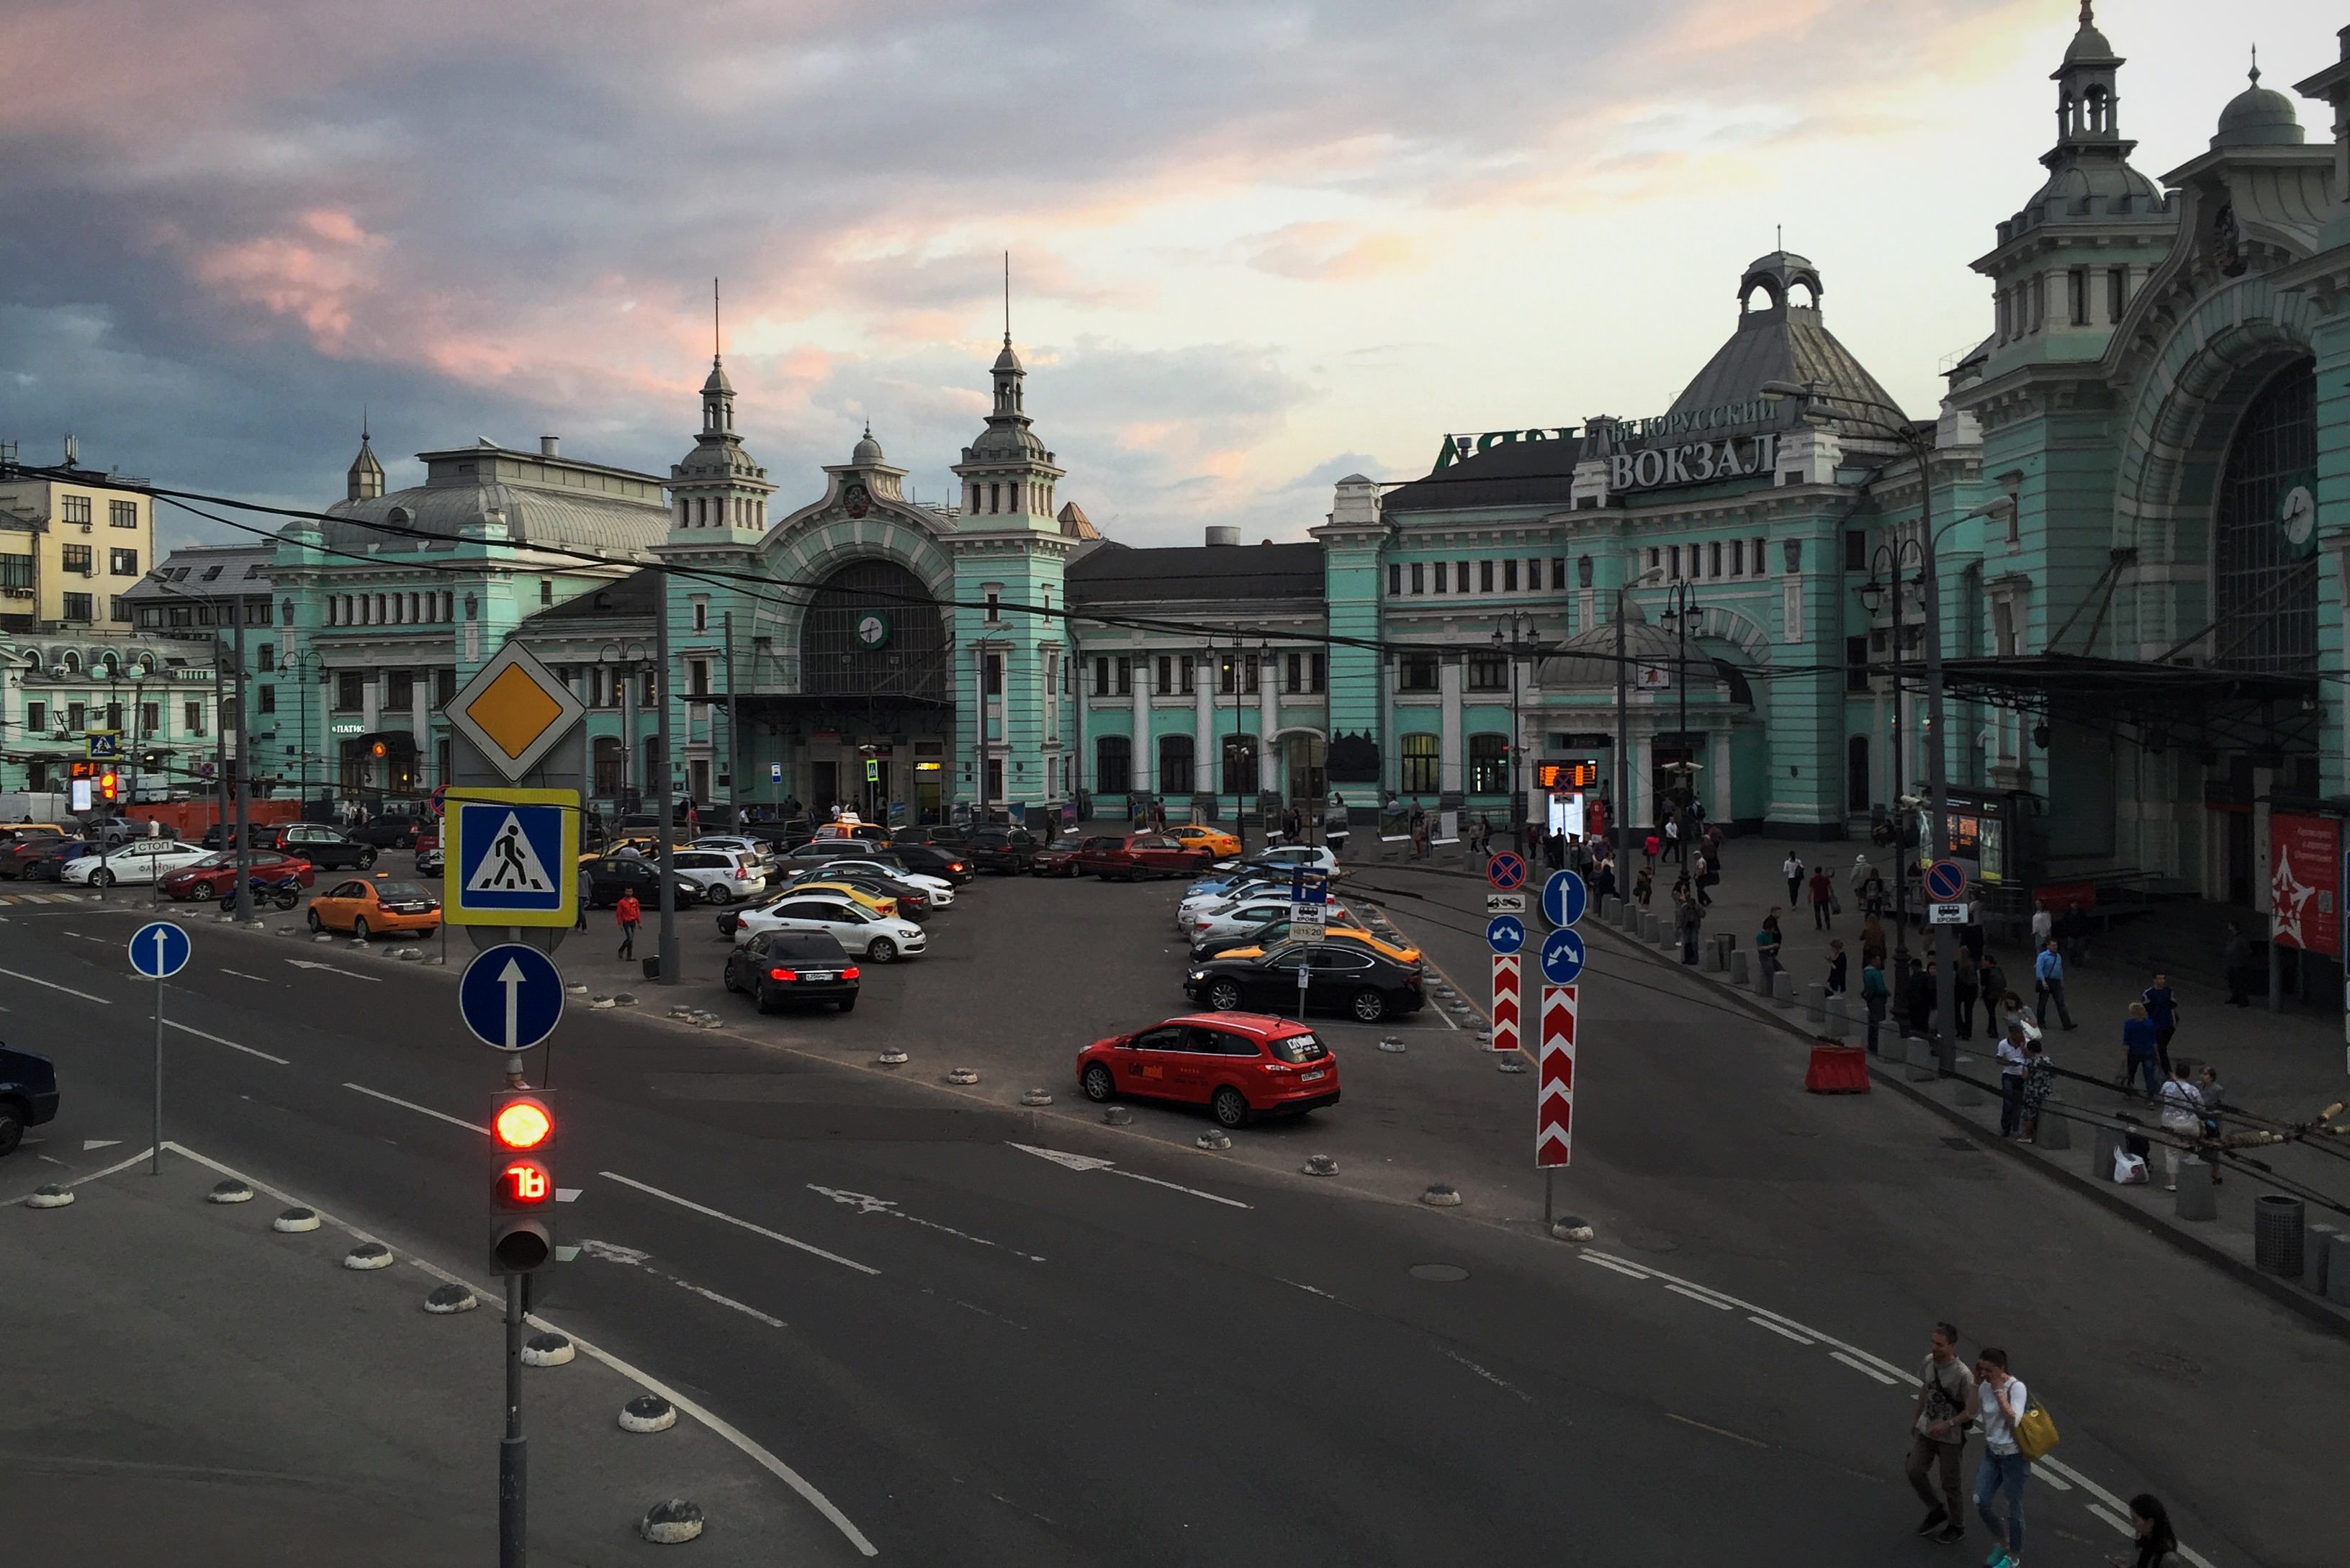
column 1176, row 761
column 1416, row 769
column 2263, row 578
column 1113, row 765
column 1489, row 764
column 873, row 631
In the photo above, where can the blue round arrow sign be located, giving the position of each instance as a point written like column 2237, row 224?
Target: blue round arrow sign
column 159, row 950
column 1561, row 957
column 511, row 997
column 1505, row 933
column 1565, row 898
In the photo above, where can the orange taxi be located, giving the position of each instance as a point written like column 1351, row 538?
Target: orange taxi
column 1214, row 840
column 1403, row 955
column 367, row 907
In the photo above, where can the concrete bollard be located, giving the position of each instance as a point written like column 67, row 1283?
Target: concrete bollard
column 1816, row 1002
column 1968, row 1094
column 1711, row 957
column 2337, row 1269
column 1738, row 967
column 2198, row 1199
column 1668, row 934
column 1648, row 926
column 2053, row 1129
column 1838, row 1018
column 1725, row 944
column 2316, row 1263
column 1925, row 1066
column 1765, row 979
column 2102, row 1153
column 1783, row 988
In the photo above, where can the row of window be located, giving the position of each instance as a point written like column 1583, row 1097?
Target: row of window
column 1014, row 495
column 76, row 717
column 433, row 607
column 1420, row 764
column 83, row 607
column 730, row 511
column 1720, row 558
column 398, row 692
column 77, row 509
column 1490, row 576
column 2023, row 308
column 1299, row 673
column 80, row 559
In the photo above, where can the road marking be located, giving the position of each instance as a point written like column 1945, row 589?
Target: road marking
column 53, row 985
column 2060, row 1468
column 612, row 1251
column 1719, row 1431
column 709, row 1295
column 94, row 1175
column 420, row 1110
column 90, row 1143
column 1089, row 1162
column 241, row 975
column 866, row 1203
column 330, row 968
column 2041, row 1474
column 1488, row 1377
column 1696, row 1297
column 1609, row 1263
column 1774, row 1328
column 1309, row 1290
column 729, row 1218
column 725, row 1429
column 84, row 936
column 175, row 1024
column 2120, row 1524
column 1863, row 1367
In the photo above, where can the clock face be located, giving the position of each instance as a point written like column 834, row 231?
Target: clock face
column 872, row 629
column 2297, row 515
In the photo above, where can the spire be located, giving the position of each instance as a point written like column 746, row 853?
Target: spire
column 1007, row 277
column 2256, row 65
column 364, row 479
column 717, row 392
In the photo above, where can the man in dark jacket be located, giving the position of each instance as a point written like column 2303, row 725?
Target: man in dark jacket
column 2239, row 960
column 1918, row 999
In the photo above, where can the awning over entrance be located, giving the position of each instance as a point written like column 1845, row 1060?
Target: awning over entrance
column 2188, row 705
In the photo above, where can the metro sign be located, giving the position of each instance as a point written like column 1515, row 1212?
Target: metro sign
column 1506, row 973
column 1554, row 1093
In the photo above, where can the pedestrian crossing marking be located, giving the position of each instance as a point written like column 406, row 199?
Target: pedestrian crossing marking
column 510, row 864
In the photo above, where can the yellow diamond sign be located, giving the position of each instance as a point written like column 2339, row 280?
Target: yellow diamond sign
column 513, row 711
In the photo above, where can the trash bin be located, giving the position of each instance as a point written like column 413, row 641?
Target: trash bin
column 2277, row 1234
column 652, row 967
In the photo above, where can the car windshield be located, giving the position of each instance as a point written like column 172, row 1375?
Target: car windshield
column 1297, row 1048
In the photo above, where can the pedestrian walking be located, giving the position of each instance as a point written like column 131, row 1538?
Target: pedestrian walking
column 1918, row 999
column 1693, row 924
column 2001, row 1398
column 2157, row 1544
column 2043, row 924
column 1874, row 995
column 2073, row 930
column 2014, row 1066
column 2162, row 1012
column 1938, row 1424
column 1792, row 869
column 2039, row 1083
column 2138, row 1051
column 2011, row 1009
column 630, row 915
column 1872, row 939
column 1644, row 885
column 1702, row 876
column 2048, row 976
column 2182, row 1117
column 1837, row 967
column 1603, row 879
column 1991, row 986
column 2215, row 1100
column 1966, row 981
column 1673, row 840
column 1767, row 943
column 586, row 897
column 1650, row 847
column 2239, row 960
column 1858, row 878
column 1823, row 890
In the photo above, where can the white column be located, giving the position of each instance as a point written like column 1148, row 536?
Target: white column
column 1715, row 791
column 1204, row 749
column 1447, row 738
column 1268, row 720
column 420, row 707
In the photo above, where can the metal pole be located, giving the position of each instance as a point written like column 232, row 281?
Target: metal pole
column 1937, row 757
column 514, row 1451
column 1520, row 802
column 672, row 960
column 734, row 790
column 1550, row 1182
column 220, row 745
column 245, row 904
column 156, row 1167
column 1901, row 851
column 1622, row 780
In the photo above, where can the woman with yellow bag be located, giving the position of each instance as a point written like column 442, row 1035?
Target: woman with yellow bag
column 2015, row 1432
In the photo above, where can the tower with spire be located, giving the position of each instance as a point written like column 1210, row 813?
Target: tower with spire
column 718, row 494
column 364, row 479
column 1008, row 476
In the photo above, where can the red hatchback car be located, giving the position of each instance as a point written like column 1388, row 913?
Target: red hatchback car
column 1115, row 859
column 214, row 874
column 1240, row 1066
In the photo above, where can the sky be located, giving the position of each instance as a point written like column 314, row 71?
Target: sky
column 1254, row 246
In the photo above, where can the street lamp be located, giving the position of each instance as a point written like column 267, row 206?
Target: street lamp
column 1683, row 599
column 1888, row 560
column 629, row 657
column 1520, row 642
column 304, row 662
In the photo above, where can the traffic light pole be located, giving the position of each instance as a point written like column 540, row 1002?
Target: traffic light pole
column 246, row 912
column 513, row 1450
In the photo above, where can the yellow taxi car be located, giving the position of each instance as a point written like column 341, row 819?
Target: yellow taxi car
column 1214, row 840
column 365, row 907
column 877, row 903
column 1353, row 933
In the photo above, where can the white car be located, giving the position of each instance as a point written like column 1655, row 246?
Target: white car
column 137, row 863
column 883, row 938
column 941, row 891
column 1237, row 919
column 759, row 849
column 1312, row 857
column 1199, row 904
column 724, row 876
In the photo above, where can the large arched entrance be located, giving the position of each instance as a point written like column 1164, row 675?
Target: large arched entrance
column 875, row 706
column 2264, row 532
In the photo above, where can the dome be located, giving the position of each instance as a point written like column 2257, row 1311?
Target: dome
column 1588, row 657
column 1007, row 360
column 2089, row 46
column 867, row 451
column 2258, row 117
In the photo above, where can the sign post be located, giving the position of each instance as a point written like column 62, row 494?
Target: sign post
column 1562, row 965
column 159, row 949
column 1506, row 991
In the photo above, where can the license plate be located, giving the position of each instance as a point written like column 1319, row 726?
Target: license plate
column 820, row 975
column 1316, row 1076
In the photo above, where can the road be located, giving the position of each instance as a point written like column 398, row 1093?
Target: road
column 980, row 1353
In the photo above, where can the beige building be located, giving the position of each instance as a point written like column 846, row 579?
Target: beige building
column 71, row 552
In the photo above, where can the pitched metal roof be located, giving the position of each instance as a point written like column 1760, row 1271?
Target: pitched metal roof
column 1515, row 473
column 1784, row 341
column 1111, row 573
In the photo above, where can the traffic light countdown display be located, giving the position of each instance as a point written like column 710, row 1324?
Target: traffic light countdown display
column 522, row 1230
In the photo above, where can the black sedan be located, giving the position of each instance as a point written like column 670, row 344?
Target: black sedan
column 779, row 967
column 49, row 865
column 612, row 876
column 1348, row 978
column 28, row 1094
column 1008, row 850
column 931, row 860
column 390, row 832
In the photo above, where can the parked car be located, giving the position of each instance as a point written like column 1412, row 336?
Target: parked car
column 931, row 860
column 780, row 967
column 1200, row 900
column 1122, row 859
column 872, row 888
column 28, row 1094
column 884, row 939
column 48, row 862
column 137, row 863
column 1236, row 919
column 817, row 849
column 937, row 890
column 1008, row 851
column 723, row 876
column 113, row 830
column 1057, row 858
column 430, row 858
column 610, row 876
column 1240, row 1066
column 1286, row 857
column 212, row 877
column 1339, row 979
column 1214, row 840
column 944, row 834
column 758, row 849
column 21, row 842
column 321, row 846
column 1273, row 933
column 364, row 906
column 391, row 832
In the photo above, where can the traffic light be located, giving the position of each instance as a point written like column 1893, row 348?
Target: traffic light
column 109, row 785
column 522, row 1229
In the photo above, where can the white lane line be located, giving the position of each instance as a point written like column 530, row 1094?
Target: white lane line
column 1309, row 1290
column 1497, row 1381
column 53, row 985
column 743, row 1224
column 84, row 936
column 2048, row 1478
column 725, row 1429
column 1178, row 1186
column 175, row 1024
column 1610, row 1264
column 93, row 1176
column 2194, row 1557
column 330, row 968
column 1696, row 1297
column 2121, row 1526
column 1783, row 1332
column 1863, row 1367
column 708, row 1294
column 1895, row 1373
column 2059, row 1468
column 1719, row 1431
column 420, row 1110
column 1068, row 1161
column 241, row 975
column 866, row 1203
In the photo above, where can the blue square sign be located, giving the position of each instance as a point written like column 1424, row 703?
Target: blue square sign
column 511, row 860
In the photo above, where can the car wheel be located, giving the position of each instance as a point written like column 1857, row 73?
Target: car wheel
column 883, row 950
column 849, row 1004
column 1229, row 1108
column 1225, row 996
column 1097, row 1084
column 766, row 1003
column 367, row 858
column 101, row 877
column 12, row 1129
column 720, row 893
column 359, row 928
column 316, row 924
column 1369, row 1006
column 726, row 978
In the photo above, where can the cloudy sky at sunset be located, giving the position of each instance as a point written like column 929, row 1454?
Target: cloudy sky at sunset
column 1253, row 245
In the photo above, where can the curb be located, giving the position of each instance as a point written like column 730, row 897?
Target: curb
column 2280, row 1291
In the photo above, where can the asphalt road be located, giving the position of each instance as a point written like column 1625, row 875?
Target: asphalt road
column 978, row 1353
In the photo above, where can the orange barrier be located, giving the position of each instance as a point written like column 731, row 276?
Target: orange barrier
column 1837, row 1070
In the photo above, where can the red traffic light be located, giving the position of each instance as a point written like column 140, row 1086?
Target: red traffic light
column 525, row 1184
column 108, row 785
column 523, row 1124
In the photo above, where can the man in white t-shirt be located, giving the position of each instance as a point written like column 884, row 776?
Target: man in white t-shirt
column 2182, row 1117
column 2001, row 1400
column 1938, row 1433
column 1792, row 869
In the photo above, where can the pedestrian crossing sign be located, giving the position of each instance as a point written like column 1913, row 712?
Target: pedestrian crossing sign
column 513, row 857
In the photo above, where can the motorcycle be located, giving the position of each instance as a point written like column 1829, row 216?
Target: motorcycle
column 280, row 893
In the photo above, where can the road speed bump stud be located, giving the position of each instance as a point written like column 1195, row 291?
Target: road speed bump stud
column 1509, row 1064
column 1036, row 1098
column 546, row 1350
column 1440, row 1196
column 50, row 1196
column 1391, row 1045
column 295, row 1221
column 451, row 1298
column 409, row 955
column 367, row 1255
column 577, row 990
column 1320, row 1164
column 670, row 1521
column 892, row 1058
column 601, row 1003
column 1215, row 1138
column 1572, row 1228
column 229, row 1192
column 624, row 999
column 324, row 937
column 962, row 1076
column 1118, row 1117
column 648, row 1413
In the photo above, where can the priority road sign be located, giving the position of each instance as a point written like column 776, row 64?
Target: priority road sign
column 1565, row 898
column 1505, row 933
column 513, row 711
column 1561, row 957
column 1506, row 871
column 511, row 996
column 513, row 857
column 1946, row 881
column 1554, row 1093
column 1507, row 970
column 159, row 949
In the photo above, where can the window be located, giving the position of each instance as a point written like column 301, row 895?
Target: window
column 1856, row 773
column 1489, row 764
column 1251, row 671
column 1416, row 766
column 1188, row 674
column 1655, row 556
column 1714, row 559
column 37, row 717
column 995, row 688
column 1461, row 576
column 122, row 563
column 114, row 717
column 1855, row 663
column 2002, row 628
column 76, row 717
column 1442, row 575
column 118, row 608
column 399, row 692
column 267, row 696
column 1101, row 675
column 1175, row 776
column 1485, row 576
column 74, row 508
column 351, row 690
column 1416, row 672
column 2116, row 292
column 268, row 656
column 80, row 606
column 1241, row 775
column 1673, row 562
column 194, row 719
column 701, row 615
column 1738, row 557
column 994, row 607
column 1489, row 672
column 151, row 717
column 1395, row 580
column 2077, row 296
column 1417, row 581
column 1557, row 572
column 1294, row 665
column 444, row 687
column 1113, row 765
column 74, row 558
column 697, row 678
column 546, row 592
column 1125, row 677
column 1510, row 574
column 122, row 513
column 1318, row 665
column 1165, row 676
column 1760, row 567
column 1855, row 550
column 15, row 571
